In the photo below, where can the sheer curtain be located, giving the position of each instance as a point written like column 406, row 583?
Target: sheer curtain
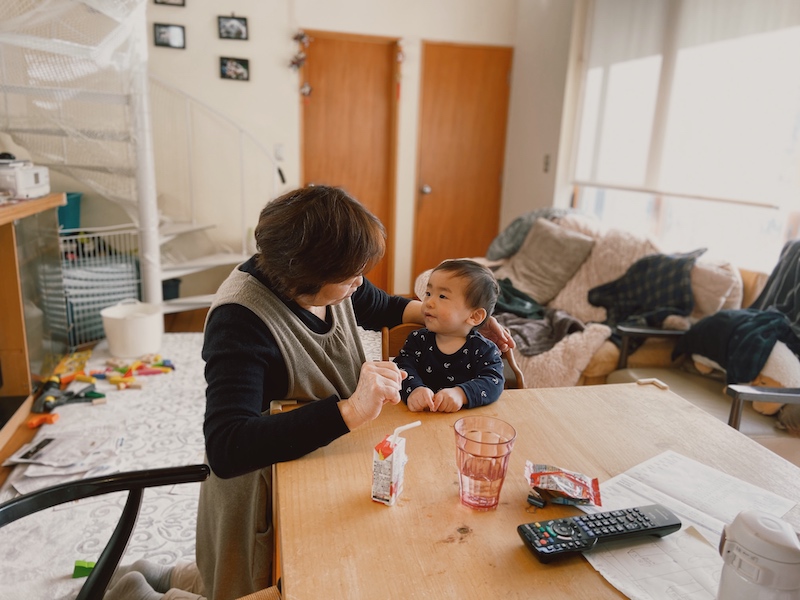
column 690, row 121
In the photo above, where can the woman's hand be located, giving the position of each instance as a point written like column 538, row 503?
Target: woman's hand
column 378, row 384
column 492, row 330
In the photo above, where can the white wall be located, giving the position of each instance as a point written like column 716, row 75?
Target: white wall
column 542, row 64
column 269, row 104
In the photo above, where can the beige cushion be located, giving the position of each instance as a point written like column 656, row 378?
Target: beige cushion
column 715, row 286
column 610, row 258
column 547, row 259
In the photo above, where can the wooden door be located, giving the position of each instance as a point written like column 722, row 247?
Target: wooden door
column 349, row 124
column 463, row 115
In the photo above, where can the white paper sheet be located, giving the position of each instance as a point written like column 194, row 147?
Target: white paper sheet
column 685, row 564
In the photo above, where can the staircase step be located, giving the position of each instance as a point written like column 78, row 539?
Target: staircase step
column 94, row 134
column 123, row 171
column 187, row 303
column 94, row 97
column 202, row 263
column 169, row 231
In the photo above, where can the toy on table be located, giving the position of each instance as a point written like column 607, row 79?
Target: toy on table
column 123, row 374
column 52, row 394
column 82, row 568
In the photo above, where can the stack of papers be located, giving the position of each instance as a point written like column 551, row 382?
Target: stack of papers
column 58, row 458
column 687, row 563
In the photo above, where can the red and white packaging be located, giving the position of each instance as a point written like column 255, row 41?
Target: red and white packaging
column 388, row 466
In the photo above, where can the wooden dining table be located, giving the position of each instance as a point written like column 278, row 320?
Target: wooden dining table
column 333, row 541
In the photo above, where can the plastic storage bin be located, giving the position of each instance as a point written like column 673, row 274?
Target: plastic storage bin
column 133, row 328
column 69, row 216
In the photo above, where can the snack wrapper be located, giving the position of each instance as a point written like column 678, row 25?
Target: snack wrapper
column 388, row 466
column 562, row 486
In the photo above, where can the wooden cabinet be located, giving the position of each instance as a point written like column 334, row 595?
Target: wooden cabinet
column 16, row 386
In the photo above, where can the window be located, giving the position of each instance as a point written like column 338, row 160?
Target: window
column 690, row 118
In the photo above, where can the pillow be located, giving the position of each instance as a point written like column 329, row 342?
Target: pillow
column 547, row 259
column 613, row 253
column 714, row 285
column 509, row 241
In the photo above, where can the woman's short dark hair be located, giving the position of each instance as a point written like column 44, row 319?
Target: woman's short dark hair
column 316, row 235
column 482, row 288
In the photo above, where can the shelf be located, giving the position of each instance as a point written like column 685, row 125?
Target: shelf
column 201, row 263
column 19, row 209
column 188, row 303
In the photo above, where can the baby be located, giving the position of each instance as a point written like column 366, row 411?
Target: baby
column 449, row 364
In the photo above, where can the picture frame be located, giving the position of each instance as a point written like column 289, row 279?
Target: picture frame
column 234, row 68
column 171, row 2
column 232, row 28
column 169, row 36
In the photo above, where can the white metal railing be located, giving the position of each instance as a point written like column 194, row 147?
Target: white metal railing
column 171, row 106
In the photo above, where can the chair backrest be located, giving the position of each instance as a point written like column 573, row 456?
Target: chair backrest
column 134, row 482
column 392, row 340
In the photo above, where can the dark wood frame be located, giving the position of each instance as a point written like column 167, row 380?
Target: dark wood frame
column 221, row 20
column 243, row 62
column 164, row 26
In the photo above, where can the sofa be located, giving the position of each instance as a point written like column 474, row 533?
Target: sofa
column 556, row 260
column 574, row 270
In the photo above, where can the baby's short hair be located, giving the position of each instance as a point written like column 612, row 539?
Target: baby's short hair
column 482, row 288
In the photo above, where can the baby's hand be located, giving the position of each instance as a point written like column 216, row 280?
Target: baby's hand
column 420, row 399
column 449, row 400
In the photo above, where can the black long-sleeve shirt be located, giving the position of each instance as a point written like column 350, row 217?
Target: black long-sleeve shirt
column 245, row 371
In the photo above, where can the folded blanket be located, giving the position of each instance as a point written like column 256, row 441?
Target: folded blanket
column 535, row 336
column 740, row 341
column 654, row 287
column 564, row 365
column 512, row 300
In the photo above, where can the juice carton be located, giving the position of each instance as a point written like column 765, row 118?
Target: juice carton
column 388, row 466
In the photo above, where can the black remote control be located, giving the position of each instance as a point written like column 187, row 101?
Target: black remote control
column 559, row 537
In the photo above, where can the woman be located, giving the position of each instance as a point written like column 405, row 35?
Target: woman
column 284, row 326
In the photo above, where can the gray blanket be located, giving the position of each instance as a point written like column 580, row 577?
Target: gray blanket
column 535, row 336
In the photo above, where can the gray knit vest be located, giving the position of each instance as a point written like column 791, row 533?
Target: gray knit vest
column 319, row 365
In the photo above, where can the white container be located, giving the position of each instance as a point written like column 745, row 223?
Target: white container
column 133, row 328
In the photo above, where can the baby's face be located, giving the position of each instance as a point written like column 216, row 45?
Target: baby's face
column 444, row 307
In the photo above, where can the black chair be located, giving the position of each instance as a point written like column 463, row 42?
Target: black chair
column 134, row 482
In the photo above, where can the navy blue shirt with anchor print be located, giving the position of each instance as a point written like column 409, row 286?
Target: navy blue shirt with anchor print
column 477, row 367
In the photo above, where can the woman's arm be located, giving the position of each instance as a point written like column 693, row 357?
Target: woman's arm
column 491, row 329
column 244, row 372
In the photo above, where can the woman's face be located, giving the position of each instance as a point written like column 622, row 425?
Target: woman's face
column 331, row 293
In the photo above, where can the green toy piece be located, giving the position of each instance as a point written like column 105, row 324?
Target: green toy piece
column 82, row 568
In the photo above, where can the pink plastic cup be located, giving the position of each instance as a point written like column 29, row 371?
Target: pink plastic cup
column 483, row 447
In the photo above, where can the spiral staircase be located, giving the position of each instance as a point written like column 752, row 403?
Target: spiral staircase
column 76, row 96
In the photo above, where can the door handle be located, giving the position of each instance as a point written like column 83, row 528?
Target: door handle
column 425, row 189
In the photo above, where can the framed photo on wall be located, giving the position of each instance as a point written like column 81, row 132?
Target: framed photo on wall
column 234, row 68
column 171, row 2
column 232, row 28
column 170, row 36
